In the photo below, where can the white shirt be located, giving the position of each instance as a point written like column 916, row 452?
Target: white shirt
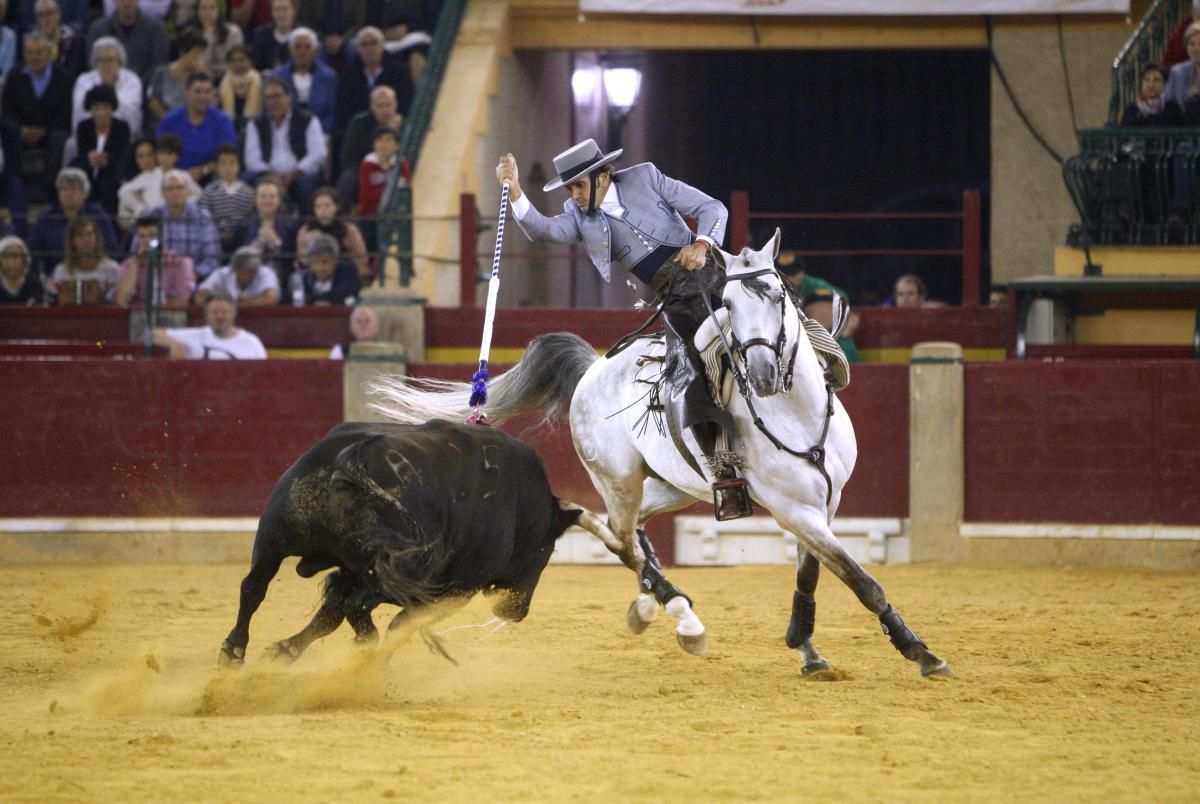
column 282, row 158
column 129, row 99
column 201, row 343
column 226, row 279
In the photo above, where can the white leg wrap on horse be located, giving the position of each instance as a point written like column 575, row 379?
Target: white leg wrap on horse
column 647, row 608
column 689, row 623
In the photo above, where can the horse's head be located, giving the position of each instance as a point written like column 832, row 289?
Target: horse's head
column 757, row 302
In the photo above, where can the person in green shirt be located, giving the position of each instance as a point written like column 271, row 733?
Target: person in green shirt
column 815, row 297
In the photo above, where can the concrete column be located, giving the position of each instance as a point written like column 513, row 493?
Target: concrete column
column 401, row 318
column 935, row 450
column 365, row 362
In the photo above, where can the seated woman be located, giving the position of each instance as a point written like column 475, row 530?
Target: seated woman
column 241, row 88
column 103, row 143
column 108, row 61
column 269, row 231
column 165, row 91
column 325, row 220
column 87, row 275
column 18, row 285
column 1151, row 108
column 218, row 33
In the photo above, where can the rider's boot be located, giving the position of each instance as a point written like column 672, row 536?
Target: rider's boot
column 731, row 498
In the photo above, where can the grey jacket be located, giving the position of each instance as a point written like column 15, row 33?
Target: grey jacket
column 654, row 207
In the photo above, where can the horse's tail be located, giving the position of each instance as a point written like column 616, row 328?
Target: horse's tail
column 543, row 382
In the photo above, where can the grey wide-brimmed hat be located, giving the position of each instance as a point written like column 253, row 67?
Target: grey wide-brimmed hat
column 579, row 160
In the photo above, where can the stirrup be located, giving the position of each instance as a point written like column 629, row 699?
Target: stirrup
column 731, row 499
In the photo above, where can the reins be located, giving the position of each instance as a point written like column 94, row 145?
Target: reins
column 815, row 454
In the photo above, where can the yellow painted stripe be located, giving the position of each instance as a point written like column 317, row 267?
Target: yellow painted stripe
column 298, row 354
column 902, row 356
column 470, row 355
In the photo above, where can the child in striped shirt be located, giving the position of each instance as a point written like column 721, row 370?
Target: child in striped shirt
column 228, row 199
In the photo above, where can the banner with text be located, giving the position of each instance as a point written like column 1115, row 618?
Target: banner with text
column 891, row 8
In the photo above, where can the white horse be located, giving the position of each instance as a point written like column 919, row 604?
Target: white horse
column 797, row 457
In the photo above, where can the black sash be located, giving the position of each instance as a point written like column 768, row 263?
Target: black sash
column 648, row 266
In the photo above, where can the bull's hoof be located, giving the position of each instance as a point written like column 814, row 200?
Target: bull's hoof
column 283, row 651
column 231, row 656
column 812, row 668
column 642, row 611
column 938, row 669
column 697, row 644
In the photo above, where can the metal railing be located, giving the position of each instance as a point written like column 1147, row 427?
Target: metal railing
column 1144, row 46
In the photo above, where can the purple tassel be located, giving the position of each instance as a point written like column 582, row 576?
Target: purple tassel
column 479, row 385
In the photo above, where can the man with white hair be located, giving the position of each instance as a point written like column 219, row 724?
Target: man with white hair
column 187, row 228
column 144, row 37
column 314, row 84
column 47, row 241
column 287, row 141
column 370, row 69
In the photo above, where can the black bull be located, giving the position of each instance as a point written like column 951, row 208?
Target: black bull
column 409, row 514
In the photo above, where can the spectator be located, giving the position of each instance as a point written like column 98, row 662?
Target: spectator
column 218, row 339
column 1151, row 109
column 364, row 326
column 166, row 91
column 47, row 241
column 188, row 229
column 337, row 22
column 143, row 192
column 86, row 275
column 373, row 187
column 227, row 198
column 1175, row 50
column 37, row 99
column 145, row 40
column 326, row 279
column 998, row 296
column 12, row 187
column 201, row 127
column 249, row 14
column 219, row 35
column 241, row 88
column 314, row 85
column 326, row 220
column 286, row 141
column 108, row 62
column 910, row 293
column 75, row 13
column 1183, row 83
column 103, row 143
column 245, row 279
column 158, row 9
column 271, row 40
column 18, row 285
column 406, row 35
column 268, row 231
column 180, row 16
column 8, row 43
column 360, row 136
column 68, row 47
column 174, row 280
column 815, row 297
column 368, row 70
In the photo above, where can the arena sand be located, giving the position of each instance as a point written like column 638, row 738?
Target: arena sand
column 1071, row 685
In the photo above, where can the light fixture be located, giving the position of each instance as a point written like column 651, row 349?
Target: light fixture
column 622, row 85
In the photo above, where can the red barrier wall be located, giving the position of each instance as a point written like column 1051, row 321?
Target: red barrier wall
column 157, row 438
column 1095, row 442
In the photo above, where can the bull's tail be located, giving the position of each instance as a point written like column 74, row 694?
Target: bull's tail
column 543, row 382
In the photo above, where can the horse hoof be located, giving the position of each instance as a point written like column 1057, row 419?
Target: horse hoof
column 642, row 611
column 231, row 656
column 819, row 666
column 939, row 670
column 696, row 645
column 282, row 651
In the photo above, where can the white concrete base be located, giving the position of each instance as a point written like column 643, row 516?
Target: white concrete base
column 702, row 541
column 577, row 546
column 1066, row 530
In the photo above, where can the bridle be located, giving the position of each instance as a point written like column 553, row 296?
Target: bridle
column 814, row 454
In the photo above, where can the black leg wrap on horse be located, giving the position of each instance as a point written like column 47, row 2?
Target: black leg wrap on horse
column 804, row 617
column 648, row 549
column 653, row 581
column 901, row 635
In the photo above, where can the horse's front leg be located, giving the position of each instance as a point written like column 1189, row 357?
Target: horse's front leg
column 804, row 615
column 814, row 534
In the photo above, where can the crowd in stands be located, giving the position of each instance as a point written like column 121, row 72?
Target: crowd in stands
column 243, row 145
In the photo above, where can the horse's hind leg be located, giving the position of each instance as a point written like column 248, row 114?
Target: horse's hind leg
column 339, row 586
column 814, row 534
column 263, row 566
column 804, row 612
